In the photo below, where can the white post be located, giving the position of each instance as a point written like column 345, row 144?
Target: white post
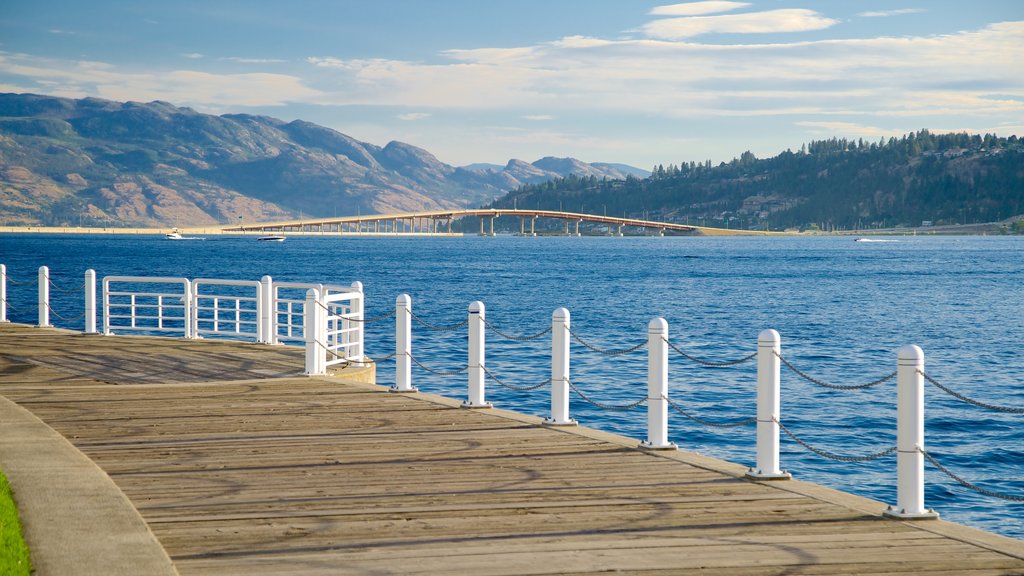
column 769, row 348
column 90, row 301
column 910, row 436
column 264, row 305
column 403, row 345
column 311, row 327
column 357, row 350
column 191, row 325
column 476, row 357
column 560, row 370
column 657, row 386
column 3, row 293
column 106, row 307
column 44, row 297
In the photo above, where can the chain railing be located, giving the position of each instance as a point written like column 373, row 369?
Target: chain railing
column 710, row 363
column 439, row 372
column 603, row 406
column 64, row 318
column 969, row 485
column 515, row 338
column 675, row 406
column 378, row 318
column 503, row 384
column 75, row 290
column 435, row 328
column 605, row 352
column 963, row 398
column 832, row 455
column 824, row 384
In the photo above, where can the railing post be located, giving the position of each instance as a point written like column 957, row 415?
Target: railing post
column 769, row 348
column 910, row 436
column 403, row 345
column 3, row 293
column 90, row 301
column 44, row 297
column 106, row 307
column 360, row 308
column 477, row 397
column 191, row 321
column 264, row 303
column 657, row 386
column 560, row 370
column 311, row 328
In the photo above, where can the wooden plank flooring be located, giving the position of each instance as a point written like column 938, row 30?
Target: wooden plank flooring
column 241, row 468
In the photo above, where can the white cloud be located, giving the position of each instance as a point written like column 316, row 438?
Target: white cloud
column 59, row 31
column 886, row 13
column 850, row 129
column 193, row 56
column 697, row 8
column 254, row 60
column 412, row 116
column 538, row 117
column 771, row 21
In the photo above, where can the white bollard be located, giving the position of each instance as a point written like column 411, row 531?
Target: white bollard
column 657, row 387
column 768, row 350
column 44, row 297
column 403, row 345
column 265, row 305
column 312, row 327
column 560, row 370
column 910, row 436
column 3, row 293
column 477, row 397
column 90, row 301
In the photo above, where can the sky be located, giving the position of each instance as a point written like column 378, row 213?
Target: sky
column 632, row 81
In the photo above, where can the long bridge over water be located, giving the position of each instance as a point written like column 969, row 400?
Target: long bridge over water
column 439, row 222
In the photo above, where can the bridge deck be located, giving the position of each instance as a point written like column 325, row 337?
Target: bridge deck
column 239, row 467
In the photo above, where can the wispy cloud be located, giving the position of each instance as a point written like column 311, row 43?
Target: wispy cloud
column 885, row 13
column 412, row 116
column 60, row 31
column 697, row 8
column 538, row 117
column 253, row 60
column 771, row 21
column 193, row 56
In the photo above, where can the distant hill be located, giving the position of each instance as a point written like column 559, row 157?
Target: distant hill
column 97, row 162
column 837, row 183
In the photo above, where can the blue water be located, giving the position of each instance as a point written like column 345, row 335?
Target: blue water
column 842, row 307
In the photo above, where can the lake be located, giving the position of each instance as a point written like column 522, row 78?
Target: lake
column 842, row 307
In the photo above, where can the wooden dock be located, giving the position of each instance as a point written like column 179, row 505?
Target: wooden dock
column 241, row 466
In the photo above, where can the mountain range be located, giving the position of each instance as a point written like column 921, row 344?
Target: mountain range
column 98, row 162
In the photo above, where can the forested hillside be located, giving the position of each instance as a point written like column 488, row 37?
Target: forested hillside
column 836, row 183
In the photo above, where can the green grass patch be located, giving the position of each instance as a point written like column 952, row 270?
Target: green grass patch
column 14, row 559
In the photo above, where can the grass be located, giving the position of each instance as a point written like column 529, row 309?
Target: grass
column 14, row 560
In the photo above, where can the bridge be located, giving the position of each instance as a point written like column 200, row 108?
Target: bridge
column 439, row 222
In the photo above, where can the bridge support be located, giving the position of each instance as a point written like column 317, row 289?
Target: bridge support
column 533, row 220
column 578, row 227
column 619, row 233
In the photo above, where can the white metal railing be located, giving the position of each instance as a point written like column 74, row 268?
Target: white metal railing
column 162, row 311
column 228, row 308
column 335, row 327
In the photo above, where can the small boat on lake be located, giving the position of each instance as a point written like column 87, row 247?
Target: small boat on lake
column 272, row 238
column 174, row 236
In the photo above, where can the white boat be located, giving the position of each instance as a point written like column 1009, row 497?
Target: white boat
column 174, row 236
column 272, row 238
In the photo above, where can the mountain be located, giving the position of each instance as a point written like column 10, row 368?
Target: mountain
column 98, row 162
column 837, row 183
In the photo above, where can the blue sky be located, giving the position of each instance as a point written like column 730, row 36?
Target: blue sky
column 630, row 81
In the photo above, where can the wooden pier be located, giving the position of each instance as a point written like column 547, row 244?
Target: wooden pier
column 240, row 465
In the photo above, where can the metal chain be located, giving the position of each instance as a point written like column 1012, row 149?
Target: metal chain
column 968, row 400
column 708, row 362
column 511, row 387
column 494, row 329
column 967, row 484
column 832, row 456
column 439, row 372
column 74, row 290
column 588, row 400
column 606, row 352
column 384, row 358
column 54, row 312
column 384, row 316
column 7, row 278
column 824, row 384
column 448, row 328
column 708, row 422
